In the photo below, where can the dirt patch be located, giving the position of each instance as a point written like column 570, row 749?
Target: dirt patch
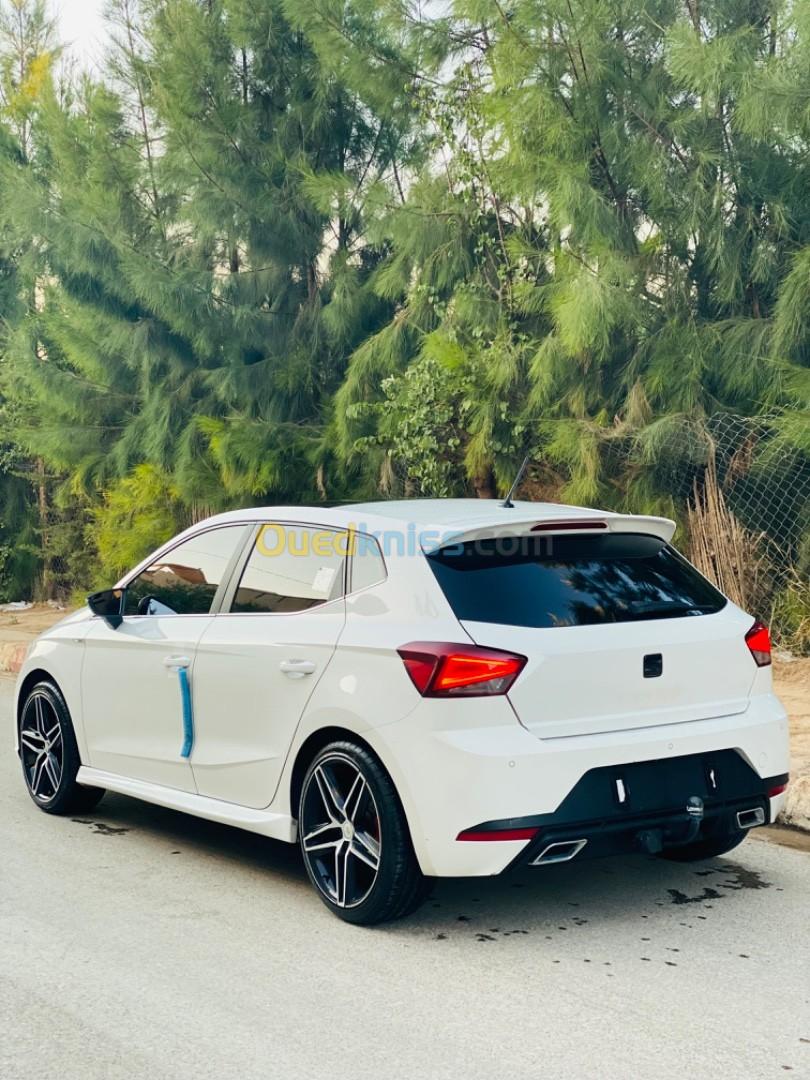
column 24, row 624
column 791, row 680
column 797, row 839
column 792, row 684
column 792, row 673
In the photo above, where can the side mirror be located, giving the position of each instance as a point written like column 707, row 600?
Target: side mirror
column 109, row 603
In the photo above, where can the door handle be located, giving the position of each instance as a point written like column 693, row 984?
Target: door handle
column 176, row 663
column 297, row 669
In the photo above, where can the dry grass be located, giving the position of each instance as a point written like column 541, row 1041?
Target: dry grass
column 722, row 549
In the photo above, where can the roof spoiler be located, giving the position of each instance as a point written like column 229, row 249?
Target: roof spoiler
column 588, row 523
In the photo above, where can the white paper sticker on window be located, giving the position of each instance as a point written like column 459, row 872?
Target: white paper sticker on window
column 322, row 582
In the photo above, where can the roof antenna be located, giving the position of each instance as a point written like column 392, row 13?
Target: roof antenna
column 507, row 503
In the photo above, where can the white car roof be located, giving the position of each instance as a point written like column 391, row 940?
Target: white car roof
column 451, row 516
column 432, row 523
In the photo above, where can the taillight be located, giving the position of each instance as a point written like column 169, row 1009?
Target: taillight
column 758, row 640
column 444, row 669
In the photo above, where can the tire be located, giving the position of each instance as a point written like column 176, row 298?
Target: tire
column 49, row 754
column 354, row 838
column 709, row 847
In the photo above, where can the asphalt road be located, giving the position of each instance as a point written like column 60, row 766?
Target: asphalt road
column 140, row 943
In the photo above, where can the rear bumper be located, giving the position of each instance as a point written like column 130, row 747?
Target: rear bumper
column 647, row 806
column 459, row 764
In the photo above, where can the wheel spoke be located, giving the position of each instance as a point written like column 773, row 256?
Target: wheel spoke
column 361, row 852
column 341, row 873
column 32, row 740
column 371, row 845
column 328, row 845
column 319, row 829
column 55, row 734
column 354, row 798
column 51, row 767
column 37, row 773
column 39, row 720
column 314, row 840
column 331, row 799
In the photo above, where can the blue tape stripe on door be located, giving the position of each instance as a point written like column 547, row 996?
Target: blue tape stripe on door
column 188, row 717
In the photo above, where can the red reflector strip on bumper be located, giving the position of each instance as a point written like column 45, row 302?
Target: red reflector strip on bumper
column 778, row 790
column 498, row 834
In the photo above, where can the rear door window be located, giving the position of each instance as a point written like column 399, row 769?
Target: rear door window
column 368, row 565
column 292, row 568
column 554, row 581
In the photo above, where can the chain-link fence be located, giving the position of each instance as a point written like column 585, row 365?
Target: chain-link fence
column 764, row 479
column 744, row 490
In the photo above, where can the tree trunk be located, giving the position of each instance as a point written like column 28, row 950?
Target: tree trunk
column 42, row 502
column 484, row 485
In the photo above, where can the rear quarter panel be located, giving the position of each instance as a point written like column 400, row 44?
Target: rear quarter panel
column 366, row 686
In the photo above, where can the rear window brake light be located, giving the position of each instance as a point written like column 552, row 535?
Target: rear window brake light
column 568, row 526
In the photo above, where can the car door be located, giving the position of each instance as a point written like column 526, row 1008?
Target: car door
column 131, row 690
column 261, row 657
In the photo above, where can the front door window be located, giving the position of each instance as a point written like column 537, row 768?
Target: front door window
column 185, row 580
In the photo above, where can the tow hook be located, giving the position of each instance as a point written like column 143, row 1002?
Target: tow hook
column 694, row 808
column 652, row 840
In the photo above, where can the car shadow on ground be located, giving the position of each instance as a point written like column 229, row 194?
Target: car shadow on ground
column 551, row 900
column 565, row 898
column 118, row 815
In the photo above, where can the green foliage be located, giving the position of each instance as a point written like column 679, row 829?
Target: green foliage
column 420, row 423
column 613, row 197
column 305, row 249
column 190, row 264
column 27, row 53
column 140, row 512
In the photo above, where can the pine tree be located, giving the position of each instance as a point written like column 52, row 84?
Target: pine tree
column 613, row 235
column 314, row 248
column 27, row 50
column 199, row 220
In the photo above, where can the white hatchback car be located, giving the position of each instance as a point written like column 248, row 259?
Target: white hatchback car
column 416, row 689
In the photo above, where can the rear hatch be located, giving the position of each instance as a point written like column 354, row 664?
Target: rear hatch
column 620, row 631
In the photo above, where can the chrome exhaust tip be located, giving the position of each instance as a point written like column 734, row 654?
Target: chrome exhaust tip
column 560, row 851
column 747, row 819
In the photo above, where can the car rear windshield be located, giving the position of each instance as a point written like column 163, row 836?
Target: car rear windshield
column 577, row 580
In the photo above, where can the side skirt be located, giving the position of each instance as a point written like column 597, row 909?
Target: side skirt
column 277, row 826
